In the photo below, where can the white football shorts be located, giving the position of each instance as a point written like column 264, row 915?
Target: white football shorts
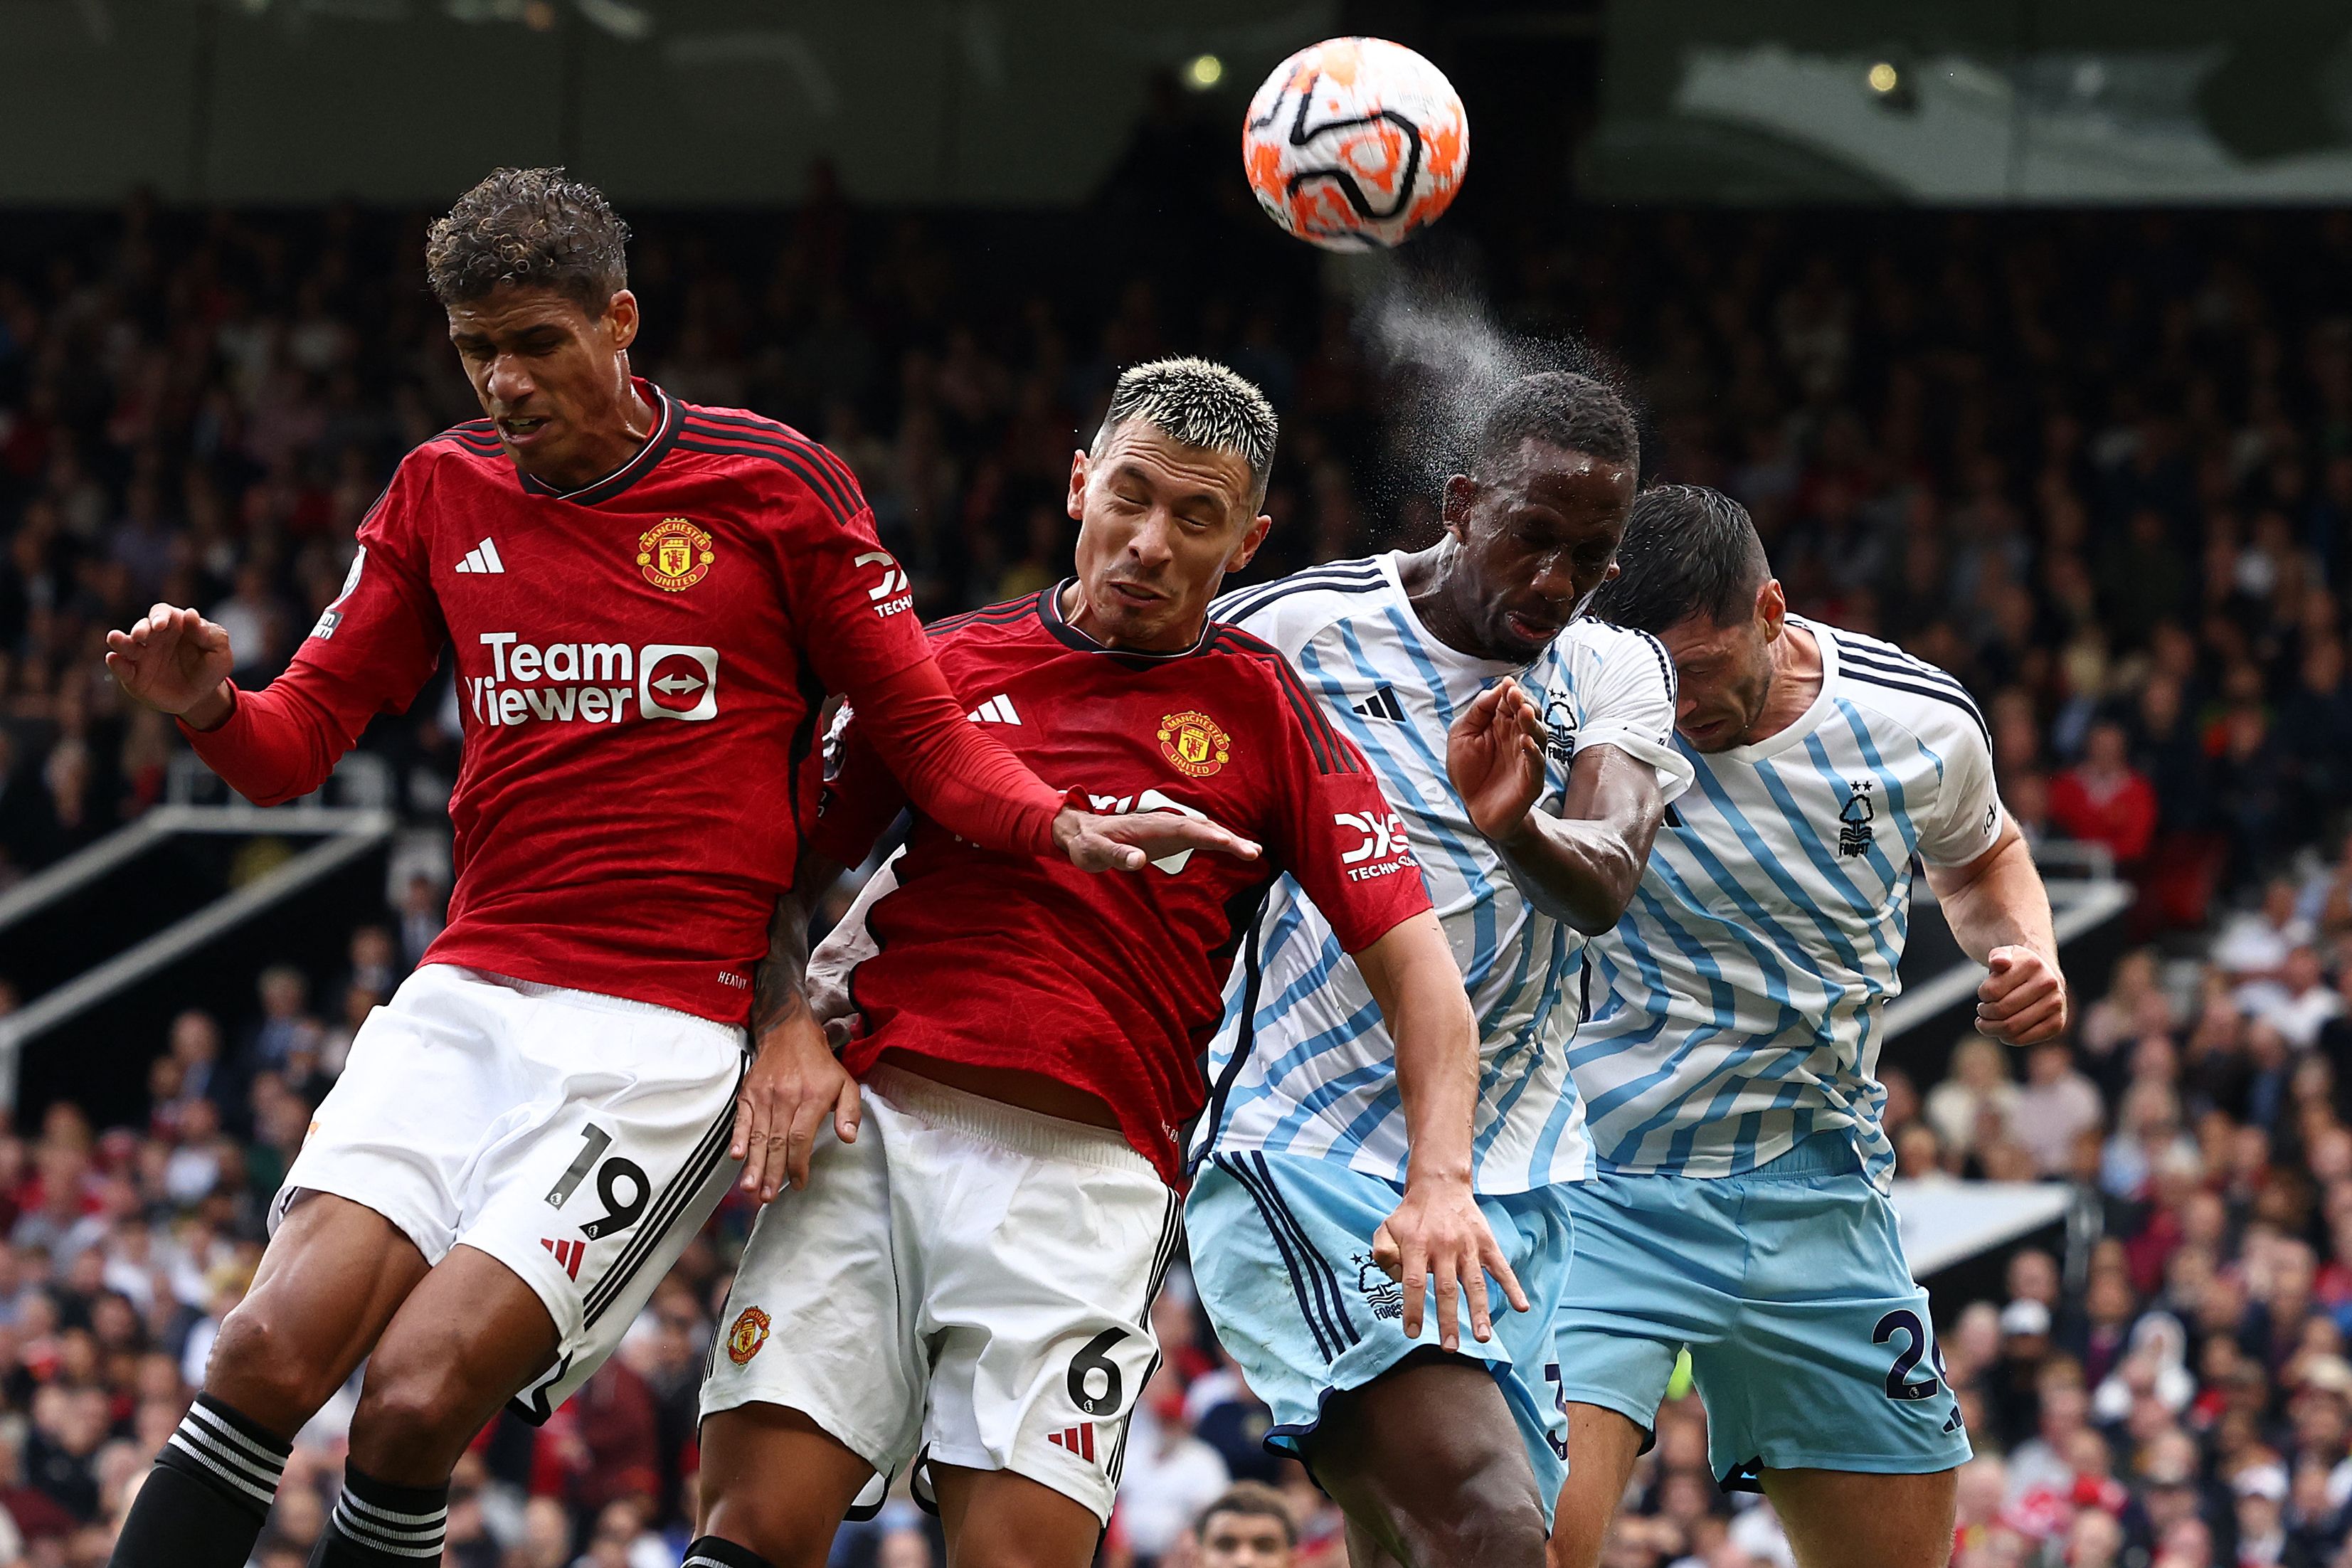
column 969, row 1283
column 580, row 1139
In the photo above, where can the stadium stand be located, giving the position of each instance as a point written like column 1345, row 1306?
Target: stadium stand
column 2100, row 467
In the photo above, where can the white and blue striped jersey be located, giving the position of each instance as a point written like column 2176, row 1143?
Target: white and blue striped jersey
column 1736, row 1008
column 1302, row 1063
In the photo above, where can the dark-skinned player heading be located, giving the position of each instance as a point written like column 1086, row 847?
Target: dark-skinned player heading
column 970, row 1275
column 648, row 601
column 1525, row 745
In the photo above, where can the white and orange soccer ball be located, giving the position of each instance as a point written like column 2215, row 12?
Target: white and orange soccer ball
column 1355, row 143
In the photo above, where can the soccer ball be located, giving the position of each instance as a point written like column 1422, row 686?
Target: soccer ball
column 1355, row 143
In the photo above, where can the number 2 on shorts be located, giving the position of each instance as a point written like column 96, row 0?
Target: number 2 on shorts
column 1906, row 1321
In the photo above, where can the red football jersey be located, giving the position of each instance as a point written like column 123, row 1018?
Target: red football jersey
column 1110, row 982
column 641, row 669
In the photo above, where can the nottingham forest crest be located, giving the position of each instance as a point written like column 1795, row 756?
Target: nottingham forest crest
column 1383, row 1295
column 1855, row 816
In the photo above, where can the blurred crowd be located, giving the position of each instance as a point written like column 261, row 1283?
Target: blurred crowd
column 2098, row 466
column 2166, row 1384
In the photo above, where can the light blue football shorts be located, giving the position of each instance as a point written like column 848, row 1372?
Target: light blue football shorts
column 1810, row 1346
column 1282, row 1252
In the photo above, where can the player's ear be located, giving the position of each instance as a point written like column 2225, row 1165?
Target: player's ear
column 621, row 318
column 1250, row 543
column 1772, row 607
column 1077, row 502
column 1454, row 508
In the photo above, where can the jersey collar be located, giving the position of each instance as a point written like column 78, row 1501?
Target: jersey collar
column 1449, row 660
column 1811, row 720
column 1049, row 611
column 648, row 456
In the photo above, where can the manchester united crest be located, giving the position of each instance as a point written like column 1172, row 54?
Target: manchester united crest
column 750, row 1332
column 673, row 554
column 1195, row 742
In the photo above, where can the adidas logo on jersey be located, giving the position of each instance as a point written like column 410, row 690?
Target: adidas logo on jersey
column 997, row 709
column 1384, row 703
column 483, row 557
column 567, row 1253
column 1078, row 1440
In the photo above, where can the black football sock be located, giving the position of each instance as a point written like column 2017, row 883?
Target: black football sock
column 379, row 1525
column 209, row 1496
column 710, row 1551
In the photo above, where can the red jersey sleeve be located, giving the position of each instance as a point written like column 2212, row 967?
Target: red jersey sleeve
column 852, row 600
column 856, row 611
column 860, row 795
column 1334, row 833
column 369, row 652
column 910, row 739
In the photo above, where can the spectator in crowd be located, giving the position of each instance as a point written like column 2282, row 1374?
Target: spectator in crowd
column 2055, row 1104
column 2103, row 800
column 285, row 1031
column 2298, row 1003
column 1971, row 1110
column 1170, row 1475
column 1249, row 1526
column 2255, row 943
column 422, row 911
column 2133, row 1007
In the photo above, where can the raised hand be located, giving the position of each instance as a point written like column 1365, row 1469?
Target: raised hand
column 1132, row 840
column 1494, row 755
column 173, row 661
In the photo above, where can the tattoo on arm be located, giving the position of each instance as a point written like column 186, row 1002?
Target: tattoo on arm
column 780, row 984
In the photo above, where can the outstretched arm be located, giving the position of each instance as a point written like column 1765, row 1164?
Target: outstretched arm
column 1437, row 1234
column 279, row 744
column 1582, row 866
column 963, row 778
column 1999, row 914
column 369, row 652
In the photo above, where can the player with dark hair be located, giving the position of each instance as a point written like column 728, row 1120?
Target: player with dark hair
column 1249, row 1526
column 1728, row 1059
column 648, row 603
column 1526, row 747
column 1699, row 557
column 965, row 1284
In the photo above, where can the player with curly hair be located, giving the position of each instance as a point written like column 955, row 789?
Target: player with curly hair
column 649, row 603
